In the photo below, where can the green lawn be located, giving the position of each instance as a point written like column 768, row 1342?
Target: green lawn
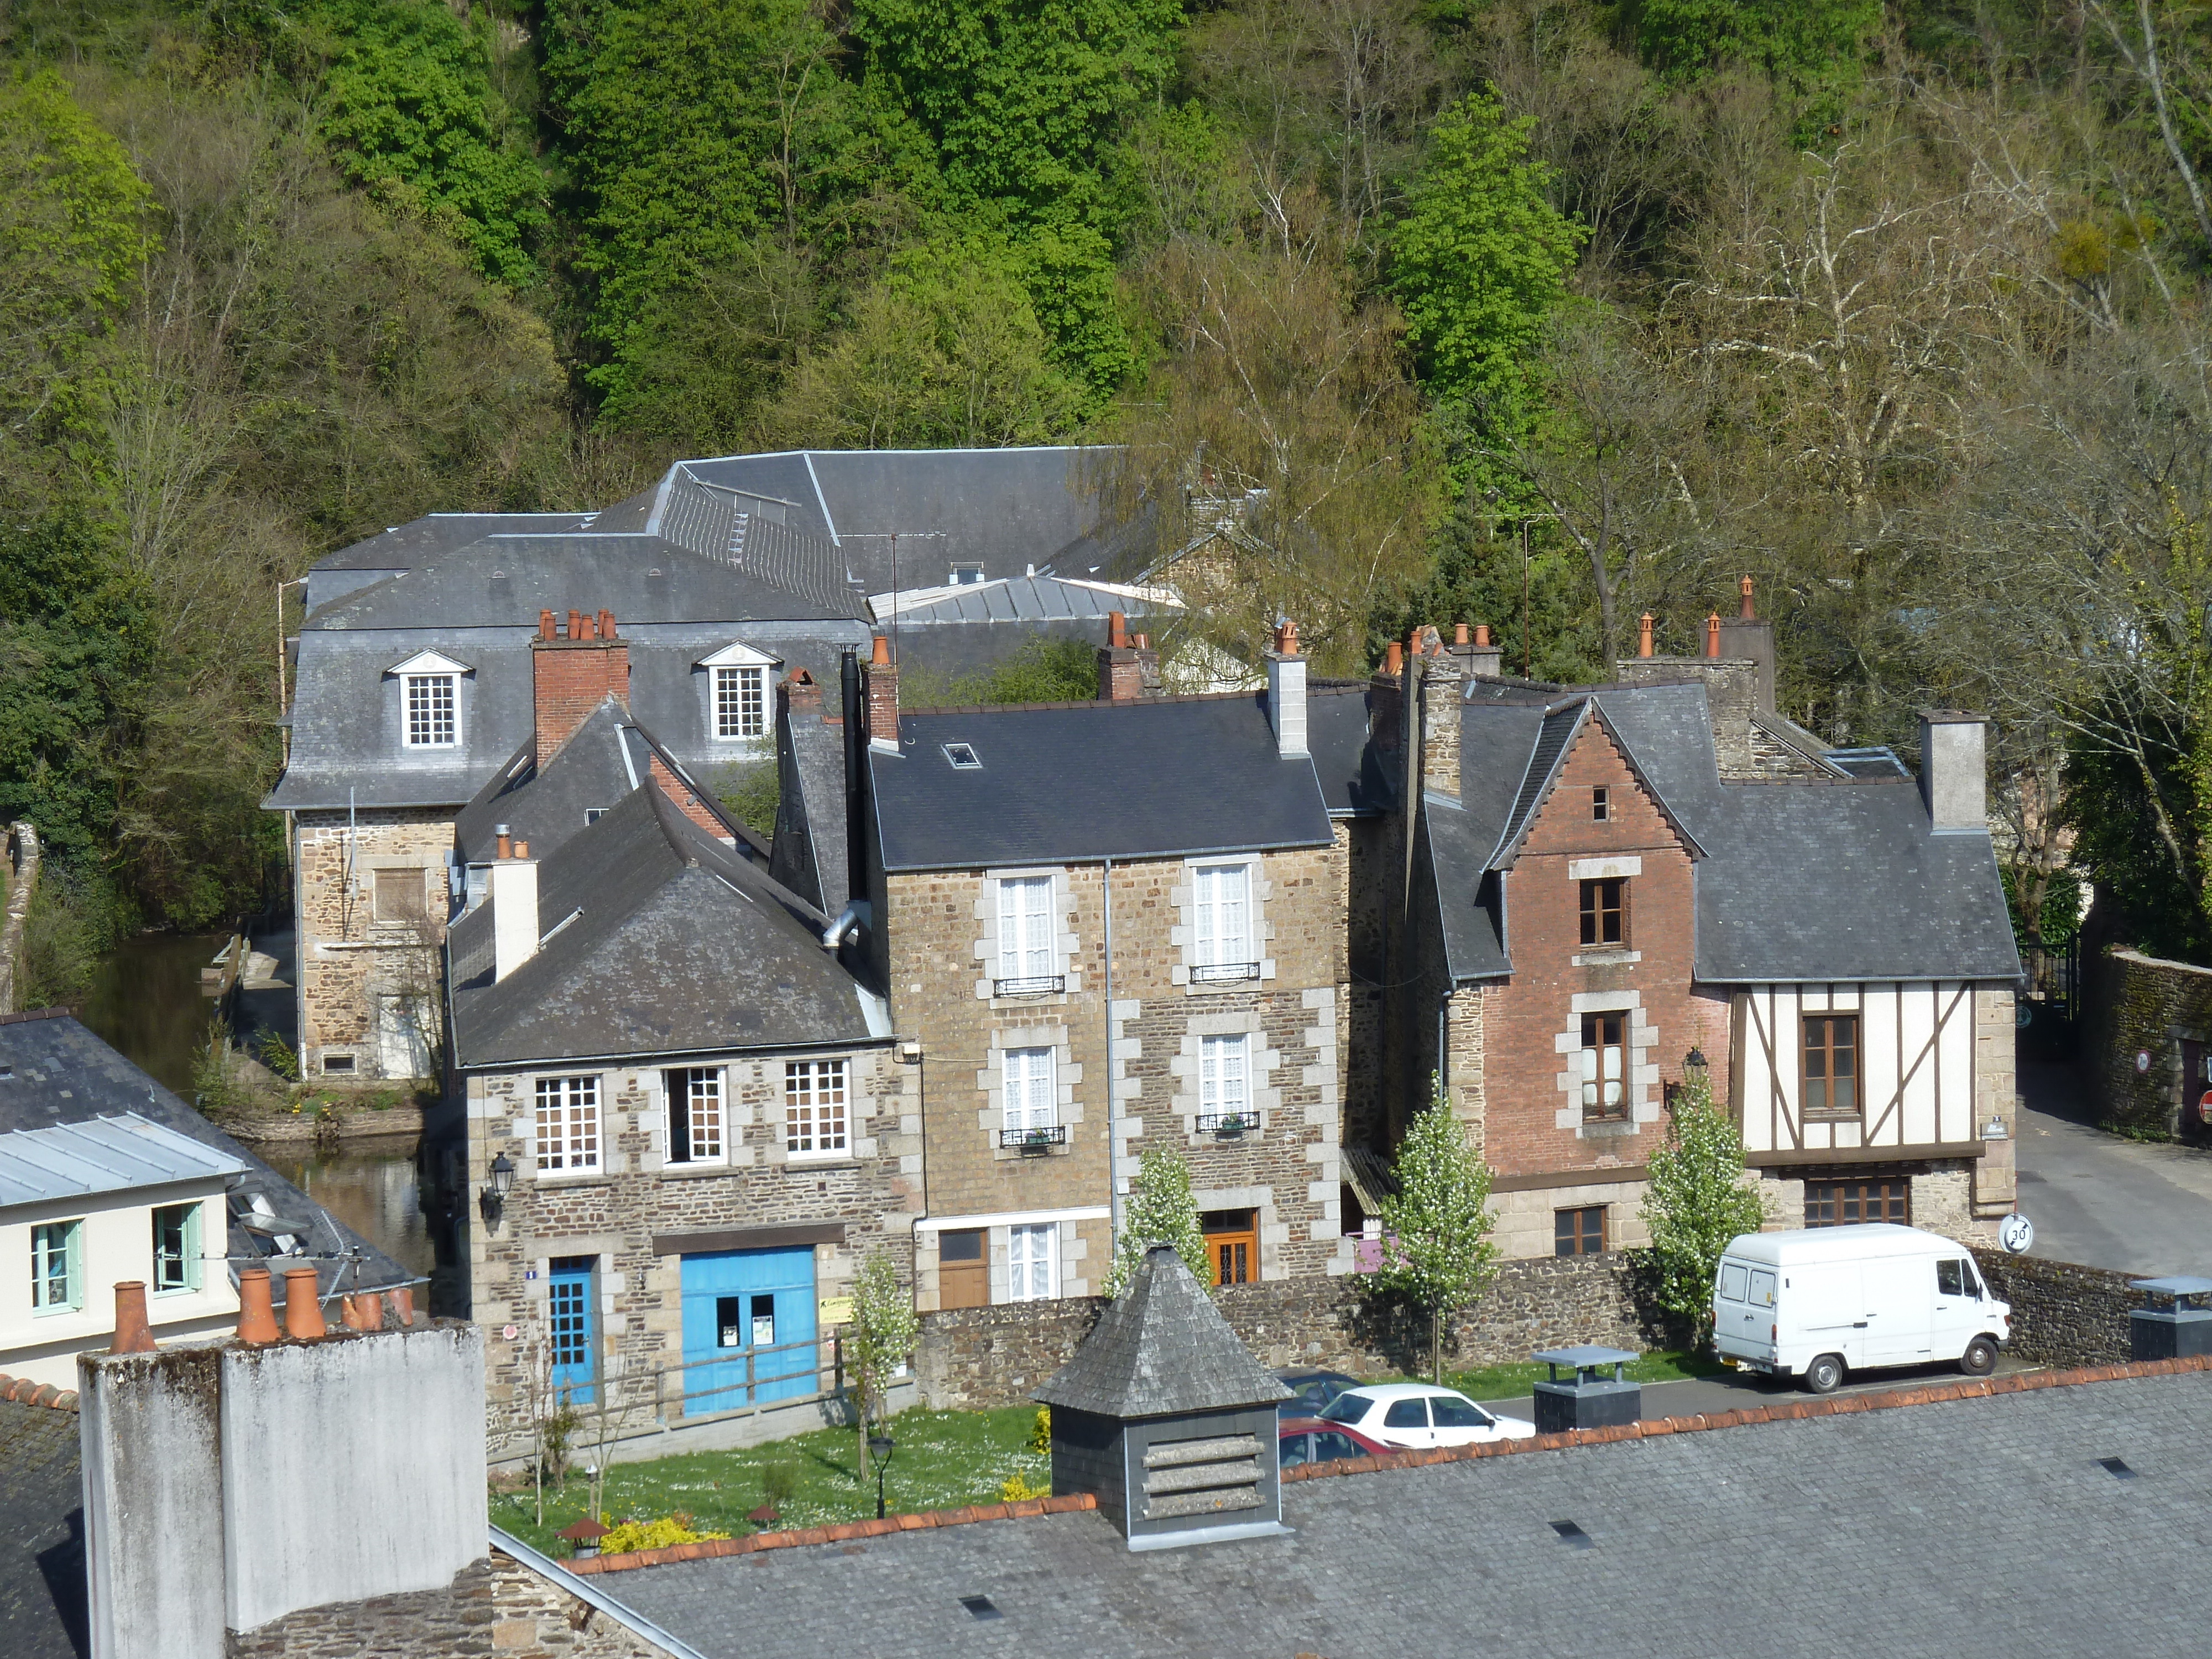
column 944, row 1460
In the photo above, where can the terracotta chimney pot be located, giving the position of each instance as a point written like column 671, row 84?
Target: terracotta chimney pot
column 882, row 654
column 1644, row 636
column 257, row 1318
column 1288, row 641
column 606, row 624
column 1482, row 636
column 1745, row 610
column 506, row 843
column 1459, row 633
column 1117, row 629
column 522, row 849
column 1394, row 661
column 546, row 624
column 576, row 624
column 350, row 1312
column 1143, row 642
column 132, row 1334
column 303, row 1312
column 1713, row 635
column 403, row 1303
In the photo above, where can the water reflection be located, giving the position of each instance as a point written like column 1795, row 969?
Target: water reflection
column 145, row 1003
column 369, row 1184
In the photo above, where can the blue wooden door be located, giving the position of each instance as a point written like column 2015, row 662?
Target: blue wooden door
column 748, row 1306
column 573, row 1325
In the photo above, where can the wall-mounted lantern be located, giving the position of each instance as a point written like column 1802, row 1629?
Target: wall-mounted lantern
column 492, row 1199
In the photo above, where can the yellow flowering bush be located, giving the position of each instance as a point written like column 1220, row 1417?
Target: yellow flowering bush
column 651, row 1535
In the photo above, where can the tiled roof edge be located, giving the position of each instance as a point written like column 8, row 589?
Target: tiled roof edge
column 708, row 1549
column 24, row 1392
column 1976, row 1387
column 31, row 1014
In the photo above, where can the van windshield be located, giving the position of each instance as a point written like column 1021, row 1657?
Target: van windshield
column 1732, row 1281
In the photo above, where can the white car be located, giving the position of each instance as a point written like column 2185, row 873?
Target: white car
column 1416, row 1415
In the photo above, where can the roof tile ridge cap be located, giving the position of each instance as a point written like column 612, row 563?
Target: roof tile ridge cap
column 24, row 1392
column 30, row 1014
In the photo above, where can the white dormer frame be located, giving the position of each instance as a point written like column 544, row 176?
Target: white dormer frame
column 738, row 660
column 429, row 666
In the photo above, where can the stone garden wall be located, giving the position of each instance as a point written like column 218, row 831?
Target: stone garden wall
column 2062, row 1314
column 976, row 1358
column 2140, row 1005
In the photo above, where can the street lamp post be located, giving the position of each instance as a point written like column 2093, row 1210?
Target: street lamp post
column 880, row 1447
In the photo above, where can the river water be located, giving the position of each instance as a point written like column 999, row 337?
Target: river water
column 146, row 1002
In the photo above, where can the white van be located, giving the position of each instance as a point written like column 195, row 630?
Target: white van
column 1817, row 1303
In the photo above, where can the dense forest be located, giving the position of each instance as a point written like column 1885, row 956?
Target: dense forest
column 1542, row 312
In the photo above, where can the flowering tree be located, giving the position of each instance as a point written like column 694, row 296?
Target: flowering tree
column 880, row 1340
column 1436, row 1251
column 1696, row 1202
column 1161, row 1211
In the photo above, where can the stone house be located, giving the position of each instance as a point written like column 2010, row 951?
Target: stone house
column 702, row 1126
column 1103, row 926
column 1608, row 887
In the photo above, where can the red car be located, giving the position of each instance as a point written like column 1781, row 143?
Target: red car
column 1310, row 1440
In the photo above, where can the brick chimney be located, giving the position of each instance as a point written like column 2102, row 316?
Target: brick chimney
column 882, row 680
column 1286, row 692
column 1120, row 673
column 572, row 673
column 802, row 696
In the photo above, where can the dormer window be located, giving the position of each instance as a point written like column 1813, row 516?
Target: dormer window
column 967, row 576
column 736, row 692
column 429, row 700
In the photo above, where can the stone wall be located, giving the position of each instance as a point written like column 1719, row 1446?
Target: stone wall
column 2140, row 1004
column 497, row 1606
column 2062, row 1314
column 978, row 1357
column 360, row 971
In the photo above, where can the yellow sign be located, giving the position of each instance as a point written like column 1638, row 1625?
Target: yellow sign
column 836, row 1310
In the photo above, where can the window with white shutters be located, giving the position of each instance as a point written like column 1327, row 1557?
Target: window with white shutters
column 568, row 1124
column 1028, row 948
column 1033, row 1263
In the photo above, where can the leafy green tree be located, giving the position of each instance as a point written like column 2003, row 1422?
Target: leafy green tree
column 1436, row 1251
column 944, row 351
column 1800, row 40
column 409, row 110
column 1480, row 260
column 1696, row 1203
column 75, row 234
column 1160, row 1211
column 879, row 1341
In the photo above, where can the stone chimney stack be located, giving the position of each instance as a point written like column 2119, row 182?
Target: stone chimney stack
column 1286, row 692
column 1747, row 637
column 883, row 699
column 1485, row 657
column 1955, row 770
column 1121, row 672
column 573, row 673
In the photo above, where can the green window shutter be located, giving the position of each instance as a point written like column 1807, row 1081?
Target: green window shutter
column 76, row 1266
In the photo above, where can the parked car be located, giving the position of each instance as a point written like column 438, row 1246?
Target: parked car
column 1407, row 1416
column 1309, row 1440
column 1312, row 1391
column 1820, row 1301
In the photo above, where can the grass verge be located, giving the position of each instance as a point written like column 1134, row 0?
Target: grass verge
column 1512, row 1382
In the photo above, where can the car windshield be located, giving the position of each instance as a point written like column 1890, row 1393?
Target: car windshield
column 1346, row 1408
column 1453, row 1413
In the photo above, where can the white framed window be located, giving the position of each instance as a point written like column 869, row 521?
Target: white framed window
column 1225, row 1073
column 176, row 1248
column 1033, row 1263
column 816, row 1121
column 1222, row 914
column 695, row 1114
column 740, row 702
column 1026, row 941
column 1031, row 1094
column 58, row 1267
column 433, row 719
column 568, row 1124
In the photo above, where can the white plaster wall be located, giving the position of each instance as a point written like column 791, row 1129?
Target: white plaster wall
column 1914, row 1092
column 352, row 1468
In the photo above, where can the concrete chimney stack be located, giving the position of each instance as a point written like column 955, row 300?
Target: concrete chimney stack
column 514, row 929
column 1286, row 692
column 1954, row 771
column 883, row 699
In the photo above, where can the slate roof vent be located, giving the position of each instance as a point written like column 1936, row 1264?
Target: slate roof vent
column 1166, row 1415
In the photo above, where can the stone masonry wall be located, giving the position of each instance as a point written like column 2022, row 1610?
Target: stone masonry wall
column 497, row 1606
column 2138, row 1004
column 349, row 961
column 2062, row 1314
column 613, row 1216
column 978, row 1357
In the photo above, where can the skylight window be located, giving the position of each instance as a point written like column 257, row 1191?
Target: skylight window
column 962, row 757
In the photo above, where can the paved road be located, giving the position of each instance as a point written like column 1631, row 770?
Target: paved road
column 2104, row 1202
column 1733, row 1389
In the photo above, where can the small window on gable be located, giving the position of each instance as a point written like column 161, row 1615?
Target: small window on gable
column 592, row 815
column 1600, row 805
column 962, row 757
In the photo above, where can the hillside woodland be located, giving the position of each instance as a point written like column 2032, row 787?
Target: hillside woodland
column 1544, row 314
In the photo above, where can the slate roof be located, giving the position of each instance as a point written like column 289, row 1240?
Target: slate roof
column 1355, row 777
column 1474, row 931
column 808, row 852
column 604, row 759
column 1023, row 599
column 43, row 1600
column 1805, row 882
column 655, row 939
column 402, row 547
column 1161, row 1349
column 59, row 1073
column 103, row 1155
column 1989, row 1515
column 1157, row 777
